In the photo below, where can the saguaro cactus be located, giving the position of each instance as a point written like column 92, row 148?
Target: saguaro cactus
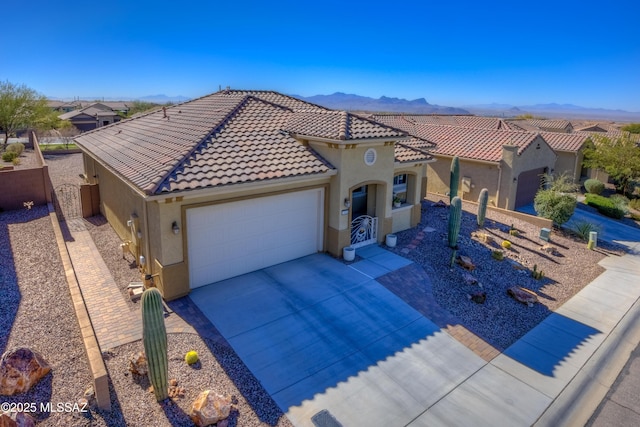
column 455, row 216
column 482, row 206
column 455, row 213
column 454, row 178
column 154, row 336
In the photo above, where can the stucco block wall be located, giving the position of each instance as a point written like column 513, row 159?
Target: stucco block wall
column 25, row 185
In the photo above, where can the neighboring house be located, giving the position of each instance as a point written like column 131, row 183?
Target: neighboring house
column 63, row 106
column 570, row 150
column 94, row 116
column 407, row 121
column 544, row 125
column 509, row 164
column 240, row 180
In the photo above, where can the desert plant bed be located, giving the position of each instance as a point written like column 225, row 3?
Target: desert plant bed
column 500, row 320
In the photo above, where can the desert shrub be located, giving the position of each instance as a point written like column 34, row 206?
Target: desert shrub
column 583, row 228
column 506, row 244
column 634, row 204
column 594, row 186
column 554, row 205
column 15, row 161
column 606, row 206
column 498, row 255
column 8, row 156
column 17, row 148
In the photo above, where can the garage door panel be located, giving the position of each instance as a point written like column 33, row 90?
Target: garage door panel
column 227, row 240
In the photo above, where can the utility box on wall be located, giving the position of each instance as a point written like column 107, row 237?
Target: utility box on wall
column 90, row 200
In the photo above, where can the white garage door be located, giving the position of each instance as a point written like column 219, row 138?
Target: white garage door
column 229, row 239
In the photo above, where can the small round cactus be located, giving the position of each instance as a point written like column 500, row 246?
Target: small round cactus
column 191, row 357
column 506, row 244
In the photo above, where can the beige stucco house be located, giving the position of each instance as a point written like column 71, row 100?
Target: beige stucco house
column 241, row 180
column 509, row 164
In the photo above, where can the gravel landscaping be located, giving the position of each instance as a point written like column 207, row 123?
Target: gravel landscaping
column 501, row 320
column 37, row 313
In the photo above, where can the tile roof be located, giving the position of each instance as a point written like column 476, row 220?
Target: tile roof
column 404, row 153
column 565, row 141
column 471, row 143
column 225, row 138
column 559, row 124
column 406, row 121
column 339, row 125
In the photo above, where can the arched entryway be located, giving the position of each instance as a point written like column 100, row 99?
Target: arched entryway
column 366, row 203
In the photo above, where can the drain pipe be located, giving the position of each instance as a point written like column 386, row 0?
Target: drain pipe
column 146, row 234
column 499, row 184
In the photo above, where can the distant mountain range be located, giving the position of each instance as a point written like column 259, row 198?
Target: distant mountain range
column 345, row 101
column 553, row 110
column 158, row 99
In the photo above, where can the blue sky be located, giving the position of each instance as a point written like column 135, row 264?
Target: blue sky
column 450, row 53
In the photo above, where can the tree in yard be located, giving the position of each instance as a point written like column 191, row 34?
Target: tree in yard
column 554, row 202
column 619, row 157
column 20, row 107
column 632, row 128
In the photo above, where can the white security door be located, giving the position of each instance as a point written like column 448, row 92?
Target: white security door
column 229, row 239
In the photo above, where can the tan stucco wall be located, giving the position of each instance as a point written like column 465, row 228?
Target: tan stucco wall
column 482, row 175
column 569, row 162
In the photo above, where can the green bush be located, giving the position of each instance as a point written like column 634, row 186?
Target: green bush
column 594, row 186
column 634, row 204
column 17, row 148
column 554, row 205
column 607, row 207
column 8, row 156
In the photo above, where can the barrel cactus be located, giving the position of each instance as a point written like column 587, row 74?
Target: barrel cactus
column 482, row 206
column 154, row 337
column 454, row 178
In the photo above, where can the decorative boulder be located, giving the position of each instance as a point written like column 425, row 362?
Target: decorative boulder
column 439, row 204
column 523, row 295
column 20, row 369
column 469, row 279
column 16, row 419
column 478, row 297
column 138, row 364
column 209, row 408
column 466, row 263
column 550, row 249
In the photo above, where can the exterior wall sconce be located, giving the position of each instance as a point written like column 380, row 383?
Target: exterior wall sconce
column 347, row 203
column 515, row 179
column 175, row 228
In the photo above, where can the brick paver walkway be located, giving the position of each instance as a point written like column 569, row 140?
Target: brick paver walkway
column 113, row 321
column 413, row 285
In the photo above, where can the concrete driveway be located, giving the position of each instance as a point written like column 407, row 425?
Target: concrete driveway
column 330, row 344
column 610, row 229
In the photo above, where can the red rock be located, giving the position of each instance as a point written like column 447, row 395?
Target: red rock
column 523, row 295
column 138, row 364
column 466, row 263
column 16, row 419
column 209, row 408
column 20, row 369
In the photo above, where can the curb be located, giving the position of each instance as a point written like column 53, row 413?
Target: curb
column 92, row 349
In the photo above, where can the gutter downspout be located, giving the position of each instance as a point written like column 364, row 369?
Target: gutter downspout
column 499, row 184
column 147, row 245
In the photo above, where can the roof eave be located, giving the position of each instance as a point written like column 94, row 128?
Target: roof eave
column 246, row 186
